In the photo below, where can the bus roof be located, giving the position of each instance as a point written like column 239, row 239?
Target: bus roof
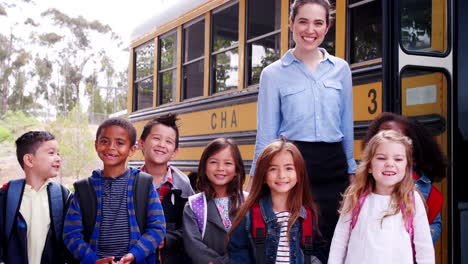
column 171, row 11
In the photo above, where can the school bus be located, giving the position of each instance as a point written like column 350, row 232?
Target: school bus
column 202, row 60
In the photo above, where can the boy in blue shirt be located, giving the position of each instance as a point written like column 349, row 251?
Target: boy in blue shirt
column 32, row 209
column 116, row 235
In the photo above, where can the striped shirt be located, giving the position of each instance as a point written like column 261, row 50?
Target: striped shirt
column 143, row 243
column 282, row 255
column 114, row 237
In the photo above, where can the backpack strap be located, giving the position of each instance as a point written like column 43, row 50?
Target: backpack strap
column 258, row 232
column 197, row 203
column 435, row 201
column 14, row 195
column 87, row 201
column 356, row 211
column 409, row 222
column 307, row 239
column 56, row 205
column 141, row 191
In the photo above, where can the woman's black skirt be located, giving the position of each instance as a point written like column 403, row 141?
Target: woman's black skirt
column 328, row 177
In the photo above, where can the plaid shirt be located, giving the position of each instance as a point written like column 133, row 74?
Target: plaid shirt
column 165, row 186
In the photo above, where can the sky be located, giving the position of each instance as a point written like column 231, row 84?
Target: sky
column 122, row 16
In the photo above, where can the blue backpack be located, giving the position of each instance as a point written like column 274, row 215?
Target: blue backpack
column 14, row 194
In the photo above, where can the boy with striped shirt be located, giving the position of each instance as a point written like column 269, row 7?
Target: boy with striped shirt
column 116, row 235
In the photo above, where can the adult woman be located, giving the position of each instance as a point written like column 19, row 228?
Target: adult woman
column 306, row 96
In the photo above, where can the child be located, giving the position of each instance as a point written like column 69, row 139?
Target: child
column 118, row 233
column 159, row 142
column 32, row 209
column 208, row 215
column 429, row 164
column 383, row 219
column 281, row 191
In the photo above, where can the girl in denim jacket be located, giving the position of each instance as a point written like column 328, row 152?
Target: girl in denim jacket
column 281, row 190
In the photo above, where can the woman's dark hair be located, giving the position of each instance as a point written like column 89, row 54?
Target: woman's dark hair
column 234, row 188
column 427, row 155
column 299, row 3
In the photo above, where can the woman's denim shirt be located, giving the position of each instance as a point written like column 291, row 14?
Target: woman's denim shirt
column 241, row 246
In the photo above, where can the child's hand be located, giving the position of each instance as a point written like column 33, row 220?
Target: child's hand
column 127, row 259
column 105, row 261
column 162, row 244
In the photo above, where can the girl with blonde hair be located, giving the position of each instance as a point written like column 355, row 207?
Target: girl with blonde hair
column 383, row 217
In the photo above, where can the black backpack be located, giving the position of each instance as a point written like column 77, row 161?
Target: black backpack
column 86, row 195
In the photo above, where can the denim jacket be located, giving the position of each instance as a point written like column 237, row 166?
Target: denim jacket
column 424, row 186
column 241, row 246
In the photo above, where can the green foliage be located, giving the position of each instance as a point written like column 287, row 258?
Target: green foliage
column 76, row 143
column 5, row 135
column 18, row 123
column 168, row 51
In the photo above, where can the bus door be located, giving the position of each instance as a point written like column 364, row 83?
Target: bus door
column 424, row 66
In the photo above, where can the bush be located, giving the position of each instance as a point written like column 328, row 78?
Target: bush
column 5, row 135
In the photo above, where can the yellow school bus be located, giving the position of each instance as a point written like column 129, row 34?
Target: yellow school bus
column 202, row 59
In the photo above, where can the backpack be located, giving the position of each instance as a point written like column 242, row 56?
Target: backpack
column 434, row 201
column 198, row 204
column 259, row 235
column 86, row 195
column 14, row 195
column 408, row 224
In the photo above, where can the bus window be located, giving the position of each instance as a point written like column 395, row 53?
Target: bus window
column 423, row 25
column 329, row 41
column 143, row 81
column 366, row 30
column 192, row 69
column 167, row 68
column 224, row 49
column 424, row 93
column 263, row 37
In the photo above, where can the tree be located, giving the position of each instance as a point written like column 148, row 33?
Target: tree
column 75, row 54
column 76, row 143
column 45, row 58
column 6, row 51
column 2, row 11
